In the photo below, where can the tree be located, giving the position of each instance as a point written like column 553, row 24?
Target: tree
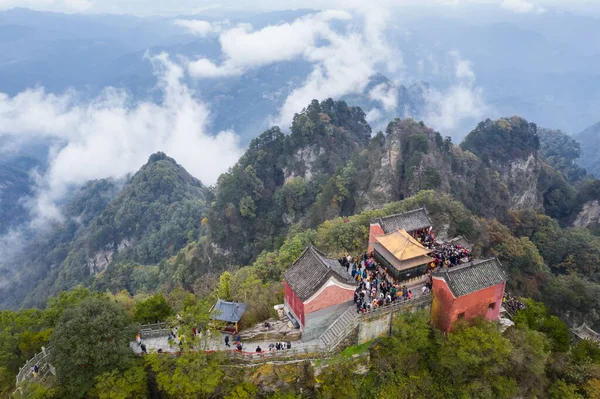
column 224, row 287
column 152, row 310
column 475, row 361
column 90, row 338
column 130, row 384
column 339, row 379
column 528, row 360
column 243, row 390
column 189, row 376
column 536, row 316
column 563, row 390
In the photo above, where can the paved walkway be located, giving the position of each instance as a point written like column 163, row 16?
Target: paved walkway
column 215, row 343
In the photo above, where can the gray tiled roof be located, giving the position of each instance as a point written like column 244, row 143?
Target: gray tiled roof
column 409, row 221
column 311, row 270
column 585, row 332
column 473, row 276
column 228, row 311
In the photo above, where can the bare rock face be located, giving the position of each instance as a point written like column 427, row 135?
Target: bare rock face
column 98, row 262
column 590, row 214
column 303, row 163
column 521, row 177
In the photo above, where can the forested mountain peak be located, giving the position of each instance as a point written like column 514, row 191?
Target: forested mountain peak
column 279, row 176
column 503, row 140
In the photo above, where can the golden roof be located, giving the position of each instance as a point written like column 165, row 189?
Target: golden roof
column 402, row 245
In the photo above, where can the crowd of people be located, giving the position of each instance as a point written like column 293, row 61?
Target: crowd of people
column 511, row 303
column 444, row 255
column 375, row 287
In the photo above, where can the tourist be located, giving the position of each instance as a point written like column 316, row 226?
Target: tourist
column 143, row 349
column 409, row 295
column 227, row 341
column 35, row 369
column 239, row 346
column 138, row 339
column 289, row 345
column 258, row 349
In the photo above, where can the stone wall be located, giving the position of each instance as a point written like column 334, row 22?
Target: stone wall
column 380, row 322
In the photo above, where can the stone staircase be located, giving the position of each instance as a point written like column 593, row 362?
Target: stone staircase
column 339, row 329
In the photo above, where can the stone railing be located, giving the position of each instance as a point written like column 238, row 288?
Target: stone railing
column 154, row 330
column 26, row 375
column 399, row 304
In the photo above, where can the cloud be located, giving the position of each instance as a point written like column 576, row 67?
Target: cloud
column 195, row 26
column 46, row 5
column 113, row 135
column 522, row 6
column 463, row 101
column 346, row 63
column 202, row 28
column 386, row 94
column 374, row 115
column 244, row 48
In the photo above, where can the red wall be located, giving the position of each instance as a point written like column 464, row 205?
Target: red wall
column 293, row 302
column 374, row 230
column 332, row 295
column 445, row 308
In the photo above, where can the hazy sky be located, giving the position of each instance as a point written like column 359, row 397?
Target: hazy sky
column 174, row 7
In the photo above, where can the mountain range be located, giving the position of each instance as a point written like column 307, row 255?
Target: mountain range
column 126, row 236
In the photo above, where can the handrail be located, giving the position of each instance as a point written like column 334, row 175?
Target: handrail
column 351, row 310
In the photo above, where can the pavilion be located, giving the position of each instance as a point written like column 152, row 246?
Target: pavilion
column 402, row 255
column 228, row 312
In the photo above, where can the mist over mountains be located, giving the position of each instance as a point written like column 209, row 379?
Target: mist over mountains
column 86, row 97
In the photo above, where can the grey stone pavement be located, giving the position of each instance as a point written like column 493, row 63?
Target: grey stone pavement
column 215, row 343
column 215, row 340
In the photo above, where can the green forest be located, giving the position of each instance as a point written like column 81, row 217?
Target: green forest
column 161, row 246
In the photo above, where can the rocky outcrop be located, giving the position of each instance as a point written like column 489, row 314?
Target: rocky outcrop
column 303, row 163
column 521, row 177
column 98, row 262
column 590, row 214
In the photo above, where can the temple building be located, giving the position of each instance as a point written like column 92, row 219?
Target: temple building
column 466, row 292
column 413, row 222
column 317, row 290
column 585, row 332
column 401, row 254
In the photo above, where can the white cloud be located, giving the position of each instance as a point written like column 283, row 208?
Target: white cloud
column 522, row 6
column 112, row 135
column 195, row 26
column 374, row 115
column 202, row 28
column 244, row 48
column 386, row 94
column 344, row 65
column 463, row 101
